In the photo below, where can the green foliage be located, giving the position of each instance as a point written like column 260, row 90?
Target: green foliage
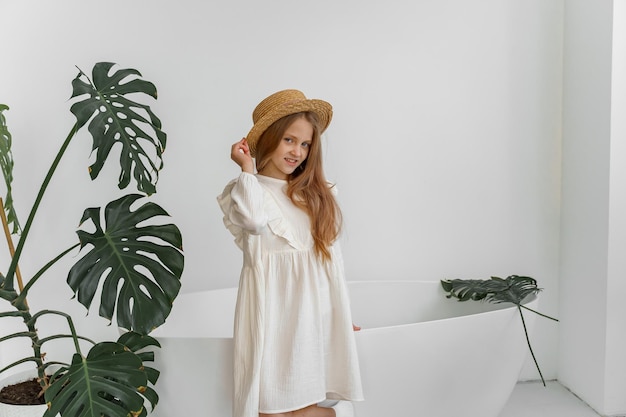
column 6, row 164
column 115, row 121
column 149, row 272
column 139, row 344
column 112, row 380
column 513, row 289
column 133, row 256
column 107, row 382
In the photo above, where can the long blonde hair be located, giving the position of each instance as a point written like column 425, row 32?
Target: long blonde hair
column 307, row 186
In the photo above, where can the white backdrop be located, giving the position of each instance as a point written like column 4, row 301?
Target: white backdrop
column 445, row 143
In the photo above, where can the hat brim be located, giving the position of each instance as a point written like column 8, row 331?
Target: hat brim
column 321, row 108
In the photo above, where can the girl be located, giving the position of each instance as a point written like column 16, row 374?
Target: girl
column 295, row 352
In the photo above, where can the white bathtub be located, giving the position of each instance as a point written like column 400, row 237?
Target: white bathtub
column 420, row 353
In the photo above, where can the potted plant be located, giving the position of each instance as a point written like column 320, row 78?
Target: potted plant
column 514, row 289
column 130, row 252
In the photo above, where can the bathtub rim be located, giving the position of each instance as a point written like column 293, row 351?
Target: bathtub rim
column 530, row 299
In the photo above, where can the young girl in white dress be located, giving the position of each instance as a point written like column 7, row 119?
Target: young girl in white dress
column 295, row 352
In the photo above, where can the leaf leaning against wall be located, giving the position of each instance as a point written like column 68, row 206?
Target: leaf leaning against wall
column 115, row 119
column 513, row 289
column 6, row 164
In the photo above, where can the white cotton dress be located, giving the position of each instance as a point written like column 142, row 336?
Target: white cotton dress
column 293, row 337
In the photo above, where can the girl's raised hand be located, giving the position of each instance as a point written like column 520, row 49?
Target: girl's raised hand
column 240, row 153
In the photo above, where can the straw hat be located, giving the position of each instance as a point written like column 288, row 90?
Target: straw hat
column 281, row 104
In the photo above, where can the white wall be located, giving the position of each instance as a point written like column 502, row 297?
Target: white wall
column 445, row 143
column 616, row 308
column 593, row 225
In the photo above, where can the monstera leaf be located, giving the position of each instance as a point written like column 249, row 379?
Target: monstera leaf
column 108, row 382
column 144, row 262
column 6, row 164
column 512, row 289
column 115, row 119
column 138, row 343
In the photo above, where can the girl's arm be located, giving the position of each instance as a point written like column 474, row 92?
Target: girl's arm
column 246, row 208
column 243, row 199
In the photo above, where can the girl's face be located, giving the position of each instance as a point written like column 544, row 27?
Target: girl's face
column 292, row 150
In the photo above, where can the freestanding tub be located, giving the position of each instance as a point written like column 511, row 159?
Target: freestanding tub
column 421, row 354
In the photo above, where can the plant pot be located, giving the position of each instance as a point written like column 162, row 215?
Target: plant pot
column 10, row 410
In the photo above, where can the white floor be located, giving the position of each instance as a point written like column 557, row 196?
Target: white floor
column 532, row 399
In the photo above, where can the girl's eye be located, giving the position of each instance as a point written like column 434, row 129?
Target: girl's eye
column 288, row 140
column 306, row 145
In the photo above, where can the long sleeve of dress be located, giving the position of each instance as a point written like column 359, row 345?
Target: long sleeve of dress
column 242, row 203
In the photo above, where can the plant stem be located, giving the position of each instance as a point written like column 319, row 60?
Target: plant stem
column 35, row 277
column 536, row 312
column 18, row 362
column 30, row 324
column 36, row 342
column 13, row 314
column 529, row 346
column 69, row 322
column 8, row 283
column 7, row 235
column 65, row 336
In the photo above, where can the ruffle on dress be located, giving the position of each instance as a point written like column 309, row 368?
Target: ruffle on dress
column 276, row 221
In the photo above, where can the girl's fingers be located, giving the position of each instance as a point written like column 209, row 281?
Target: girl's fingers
column 240, row 154
column 242, row 146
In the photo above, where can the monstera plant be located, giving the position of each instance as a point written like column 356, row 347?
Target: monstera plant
column 513, row 289
column 129, row 254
